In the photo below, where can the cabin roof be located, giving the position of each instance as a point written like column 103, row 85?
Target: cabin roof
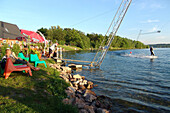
column 8, row 30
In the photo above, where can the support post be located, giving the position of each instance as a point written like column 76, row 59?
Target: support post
column 61, row 53
column 57, row 52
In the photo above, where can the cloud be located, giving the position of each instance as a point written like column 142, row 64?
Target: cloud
column 161, row 37
column 150, row 5
column 150, row 21
column 156, row 6
column 153, row 29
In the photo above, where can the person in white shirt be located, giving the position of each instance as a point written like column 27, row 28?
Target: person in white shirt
column 52, row 49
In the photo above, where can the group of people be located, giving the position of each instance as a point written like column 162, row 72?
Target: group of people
column 15, row 60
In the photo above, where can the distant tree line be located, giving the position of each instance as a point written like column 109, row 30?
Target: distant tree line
column 160, row 45
column 77, row 38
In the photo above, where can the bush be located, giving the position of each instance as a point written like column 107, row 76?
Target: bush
column 16, row 49
column 61, row 42
column 3, row 48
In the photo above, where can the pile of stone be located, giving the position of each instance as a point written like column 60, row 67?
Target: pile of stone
column 79, row 93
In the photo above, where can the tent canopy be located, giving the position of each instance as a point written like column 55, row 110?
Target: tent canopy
column 35, row 37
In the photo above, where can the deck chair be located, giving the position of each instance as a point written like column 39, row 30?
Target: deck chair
column 21, row 55
column 2, row 70
column 34, row 58
column 9, row 68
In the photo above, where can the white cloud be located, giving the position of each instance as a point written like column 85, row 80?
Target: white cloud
column 161, row 37
column 154, row 29
column 156, row 6
column 150, row 21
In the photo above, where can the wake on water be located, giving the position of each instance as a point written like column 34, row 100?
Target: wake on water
column 139, row 56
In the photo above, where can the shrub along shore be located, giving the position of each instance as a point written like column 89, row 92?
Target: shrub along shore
column 85, row 41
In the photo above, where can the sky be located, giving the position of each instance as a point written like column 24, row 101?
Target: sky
column 91, row 16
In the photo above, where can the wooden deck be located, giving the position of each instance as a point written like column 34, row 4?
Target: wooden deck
column 71, row 60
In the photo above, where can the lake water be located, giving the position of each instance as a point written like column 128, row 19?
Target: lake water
column 134, row 82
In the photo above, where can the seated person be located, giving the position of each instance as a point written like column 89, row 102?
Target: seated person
column 15, row 60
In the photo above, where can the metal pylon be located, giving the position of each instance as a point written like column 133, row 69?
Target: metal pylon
column 111, row 32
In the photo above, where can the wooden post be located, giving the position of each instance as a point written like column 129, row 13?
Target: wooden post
column 57, row 52
column 60, row 53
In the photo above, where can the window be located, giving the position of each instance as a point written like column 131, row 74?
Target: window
column 6, row 30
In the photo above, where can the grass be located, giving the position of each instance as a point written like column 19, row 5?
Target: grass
column 41, row 93
column 69, row 48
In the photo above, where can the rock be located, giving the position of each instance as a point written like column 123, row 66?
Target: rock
column 100, row 110
column 79, row 92
column 50, row 64
column 81, row 83
column 72, row 80
column 87, row 91
column 66, row 101
column 70, row 93
column 66, row 69
column 74, row 66
column 66, row 75
column 65, row 78
column 90, row 85
column 70, row 76
column 88, row 103
column 63, row 73
column 57, row 66
column 79, row 95
column 83, row 77
column 72, row 89
column 90, row 98
column 59, row 70
column 78, row 101
column 77, row 77
column 53, row 67
column 76, row 87
column 90, row 109
column 89, row 82
column 76, row 83
column 83, row 111
column 81, row 106
column 93, row 104
column 71, row 84
column 85, row 82
column 82, row 87
column 104, row 102
column 80, row 80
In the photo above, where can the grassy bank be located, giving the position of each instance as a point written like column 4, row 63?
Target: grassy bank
column 41, row 93
column 69, row 48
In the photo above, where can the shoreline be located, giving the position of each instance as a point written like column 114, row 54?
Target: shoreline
column 79, row 92
column 73, row 48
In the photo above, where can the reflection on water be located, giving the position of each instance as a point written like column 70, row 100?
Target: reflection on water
column 136, row 84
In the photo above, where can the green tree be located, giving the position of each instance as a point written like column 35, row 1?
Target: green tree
column 16, row 49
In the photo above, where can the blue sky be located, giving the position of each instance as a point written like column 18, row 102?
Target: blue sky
column 91, row 16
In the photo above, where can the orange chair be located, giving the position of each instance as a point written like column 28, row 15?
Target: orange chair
column 9, row 68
